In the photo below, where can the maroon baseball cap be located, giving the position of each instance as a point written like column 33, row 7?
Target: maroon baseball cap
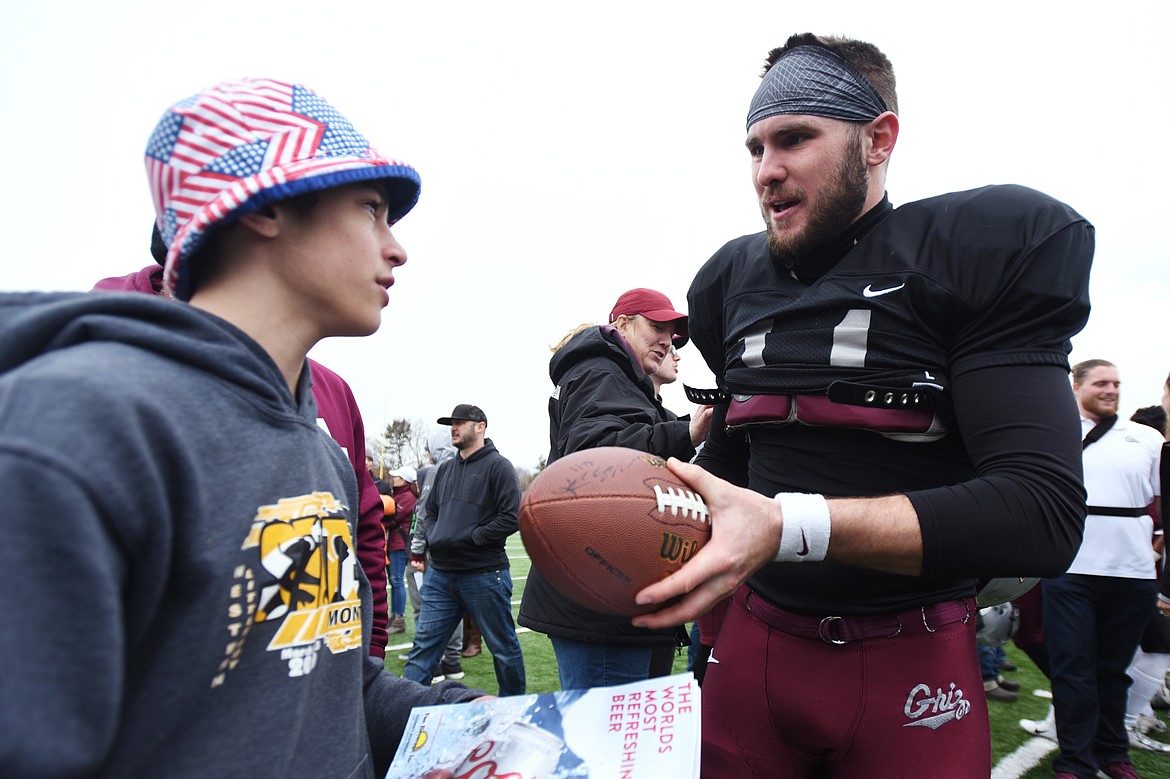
column 652, row 305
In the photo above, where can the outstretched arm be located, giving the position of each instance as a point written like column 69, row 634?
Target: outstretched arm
column 879, row 533
column 1019, row 425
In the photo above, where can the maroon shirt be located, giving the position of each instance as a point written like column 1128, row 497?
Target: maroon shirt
column 396, row 525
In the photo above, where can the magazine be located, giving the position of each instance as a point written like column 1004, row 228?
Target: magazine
column 641, row 729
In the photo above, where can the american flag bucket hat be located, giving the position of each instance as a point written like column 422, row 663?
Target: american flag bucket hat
column 241, row 145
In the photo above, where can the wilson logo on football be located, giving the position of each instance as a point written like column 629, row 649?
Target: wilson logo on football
column 677, row 549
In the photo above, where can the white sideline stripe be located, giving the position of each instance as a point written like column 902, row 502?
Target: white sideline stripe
column 1024, row 759
column 399, row 647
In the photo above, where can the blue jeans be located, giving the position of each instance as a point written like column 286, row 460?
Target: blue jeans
column 1092, row 626
column 693, row 649
column 396, row 578
column 582, row 665
column 487, row 596
column 990, row 659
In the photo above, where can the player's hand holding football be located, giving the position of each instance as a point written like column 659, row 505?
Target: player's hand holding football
column 745, row 534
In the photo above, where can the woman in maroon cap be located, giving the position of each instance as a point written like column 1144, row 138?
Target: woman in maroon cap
column 604, row 396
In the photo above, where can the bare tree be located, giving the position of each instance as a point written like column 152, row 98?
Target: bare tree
column 419, row 436
column 524, row 476
column 404, row 442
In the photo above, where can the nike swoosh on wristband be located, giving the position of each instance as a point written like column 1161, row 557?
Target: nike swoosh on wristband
column 803, row 545
column 870, row 292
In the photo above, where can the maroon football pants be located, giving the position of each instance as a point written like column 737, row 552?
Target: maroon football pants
column 902, row 696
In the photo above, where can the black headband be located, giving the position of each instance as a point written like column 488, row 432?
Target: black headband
column 813, row 80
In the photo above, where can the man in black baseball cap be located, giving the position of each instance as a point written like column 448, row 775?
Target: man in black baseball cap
column 474, row 502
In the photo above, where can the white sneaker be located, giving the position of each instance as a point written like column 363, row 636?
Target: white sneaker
column 1039, row 728
column 1161, row 699
column 1149, row 724
column 1139, row 740
column 437, row 679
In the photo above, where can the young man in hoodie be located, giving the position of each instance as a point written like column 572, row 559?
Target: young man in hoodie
column 337, row 412
column 474, row 502
column 182, row 533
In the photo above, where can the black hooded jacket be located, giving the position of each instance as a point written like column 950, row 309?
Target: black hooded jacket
column 602, row 398
column 169, row 497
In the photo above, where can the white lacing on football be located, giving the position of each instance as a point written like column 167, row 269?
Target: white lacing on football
column 684, row 501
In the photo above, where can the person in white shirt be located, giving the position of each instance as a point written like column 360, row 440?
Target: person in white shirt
column 1095, row 614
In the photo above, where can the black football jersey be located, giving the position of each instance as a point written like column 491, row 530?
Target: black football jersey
column 843, row 386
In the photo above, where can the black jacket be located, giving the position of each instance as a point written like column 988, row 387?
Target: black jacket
column 602, row 398
column 474, row 503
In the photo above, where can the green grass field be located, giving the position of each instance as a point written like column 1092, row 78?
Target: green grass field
column 1016, row 754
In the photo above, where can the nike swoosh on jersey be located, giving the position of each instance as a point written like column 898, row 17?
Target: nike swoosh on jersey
column 870, row 292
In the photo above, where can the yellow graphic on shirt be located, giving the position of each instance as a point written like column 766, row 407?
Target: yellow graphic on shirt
column 308, row 573
column 301, row 572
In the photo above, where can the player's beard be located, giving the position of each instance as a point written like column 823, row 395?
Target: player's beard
column 830, row 214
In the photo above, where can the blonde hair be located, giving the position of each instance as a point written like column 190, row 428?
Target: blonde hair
column 569, row 336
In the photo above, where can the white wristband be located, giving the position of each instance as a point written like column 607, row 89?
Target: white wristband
column 804, row 537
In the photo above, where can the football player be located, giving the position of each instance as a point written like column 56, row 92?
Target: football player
column 894, row 423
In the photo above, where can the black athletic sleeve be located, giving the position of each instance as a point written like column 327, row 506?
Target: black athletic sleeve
column 1024, row 512
column 725, row 454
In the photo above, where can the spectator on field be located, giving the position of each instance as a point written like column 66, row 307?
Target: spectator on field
column 439, row 450
column 338, row 413
column 171, row 456
column 474, row 502
column 604, row 395
column 1095, row 614
column 995, row 686
column 397, row 526
column 382, row 485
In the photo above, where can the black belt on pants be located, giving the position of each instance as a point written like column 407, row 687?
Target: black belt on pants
column 1113, row 511
column 843, row 629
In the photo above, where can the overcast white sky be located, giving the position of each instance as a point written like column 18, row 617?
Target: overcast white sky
column 572, row 151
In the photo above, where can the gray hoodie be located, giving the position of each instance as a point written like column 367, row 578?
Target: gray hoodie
column 184, row 598
column 441, row 450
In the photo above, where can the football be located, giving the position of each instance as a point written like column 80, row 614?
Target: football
column 601, row 524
